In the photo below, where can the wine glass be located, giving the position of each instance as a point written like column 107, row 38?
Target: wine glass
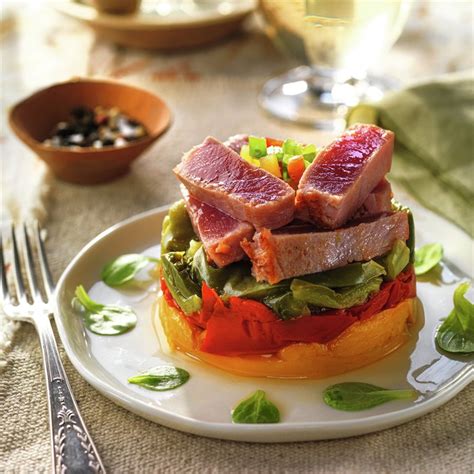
column 340, row 40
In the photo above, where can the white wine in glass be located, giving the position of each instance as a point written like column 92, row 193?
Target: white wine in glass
column 340, row 40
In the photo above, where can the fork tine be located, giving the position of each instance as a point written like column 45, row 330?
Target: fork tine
column 30, row 267
column 17, row 276
column 4, row 293
column 45, row 272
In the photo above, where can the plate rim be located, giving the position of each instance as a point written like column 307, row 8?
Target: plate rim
column 89, row 15
column 279, row 432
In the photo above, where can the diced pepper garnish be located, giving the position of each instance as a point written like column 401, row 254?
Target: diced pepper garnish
column 274, row 142
column 291, row 147
column 296, row 168
column 309, row 153
column 257, row 147
column 245, row 154
column 270, row 163
column 263, row 152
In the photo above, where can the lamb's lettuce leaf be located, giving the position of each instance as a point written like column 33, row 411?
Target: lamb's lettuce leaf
column 427, row 257
column 256, row 409
column 456, row 333
column 355, row 396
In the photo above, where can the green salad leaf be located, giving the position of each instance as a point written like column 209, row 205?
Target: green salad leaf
column 397, row 259
column 324, row 297
column 241, row 283
column 427, row 257
column 123, row 269
column 456, row 333
column 106, row 320
column 161, row 378
column 256, row 409
column 194, row 246
column 287, row 306
column 177, row 230
column 349, row 275
column 184, row 289
column 203, row 271
column 355, row 396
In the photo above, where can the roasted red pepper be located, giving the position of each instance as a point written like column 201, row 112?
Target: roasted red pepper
column 243, row 326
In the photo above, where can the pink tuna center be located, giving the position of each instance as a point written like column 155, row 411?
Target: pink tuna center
column 340, row 165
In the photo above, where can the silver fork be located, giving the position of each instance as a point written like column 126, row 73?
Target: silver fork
column 71, row 445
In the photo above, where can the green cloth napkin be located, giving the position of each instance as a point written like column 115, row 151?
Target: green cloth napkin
column 434, row 148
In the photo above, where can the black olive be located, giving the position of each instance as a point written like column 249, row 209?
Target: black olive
column 82, row 114
column 96, row 128
column 63, row 129
column 107, row 141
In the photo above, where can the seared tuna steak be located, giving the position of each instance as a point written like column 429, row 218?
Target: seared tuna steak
column 219, row 233
column 378, row 202
column 216, row 175
column 300, row 250
column 342, row 176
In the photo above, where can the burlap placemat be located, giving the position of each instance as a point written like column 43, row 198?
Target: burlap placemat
column 200, row 95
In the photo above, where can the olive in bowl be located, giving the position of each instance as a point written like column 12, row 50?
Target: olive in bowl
column 51, row 112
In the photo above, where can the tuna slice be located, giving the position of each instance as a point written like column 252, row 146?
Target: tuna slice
column 378, row 202
column 296, row 251
column 236, row 142
column 216, row 175
column 341, row 177
column 219, row 233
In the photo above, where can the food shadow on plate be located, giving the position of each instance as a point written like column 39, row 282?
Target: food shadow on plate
column 445, row 273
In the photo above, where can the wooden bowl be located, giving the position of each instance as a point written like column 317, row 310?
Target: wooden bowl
column 35, row 117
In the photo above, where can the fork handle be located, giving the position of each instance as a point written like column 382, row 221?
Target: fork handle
column 72, row 448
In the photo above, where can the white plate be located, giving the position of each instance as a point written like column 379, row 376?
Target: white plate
column 203, row 405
